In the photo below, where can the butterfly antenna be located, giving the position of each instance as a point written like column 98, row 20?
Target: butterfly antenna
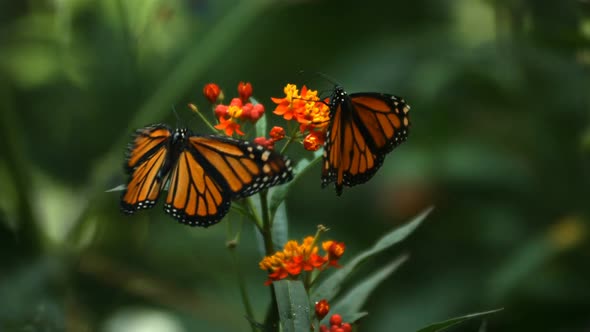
column 327, row 78
column 178, row 119
column 322, row 75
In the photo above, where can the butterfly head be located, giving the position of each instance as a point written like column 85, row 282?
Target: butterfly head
column 338, row 96
column 180, row 134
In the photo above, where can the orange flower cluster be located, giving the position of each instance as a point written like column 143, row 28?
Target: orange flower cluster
column 312, row 113
column 296, row 258
column 230, row 116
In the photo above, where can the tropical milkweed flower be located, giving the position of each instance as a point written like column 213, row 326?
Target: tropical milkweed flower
column 230, row 115
column 305, row 107
column 286, row 106
column 296, row 258
column 315, row 113
column 311, row 113
column 229, row 126
column 212, row 92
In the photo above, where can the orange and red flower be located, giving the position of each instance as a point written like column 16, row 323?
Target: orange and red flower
column 229, row 116
column 286, row 107
column 229, row 126
column 306, row 108
column 311, row 113
column 296, row 258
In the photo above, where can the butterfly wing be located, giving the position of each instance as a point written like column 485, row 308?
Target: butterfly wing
column 213, row 170
column 364, row 127
column 147, row 156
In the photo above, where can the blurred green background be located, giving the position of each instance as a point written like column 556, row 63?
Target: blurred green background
column 500, row 144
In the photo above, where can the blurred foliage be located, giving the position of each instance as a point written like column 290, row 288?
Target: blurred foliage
column 500, row 144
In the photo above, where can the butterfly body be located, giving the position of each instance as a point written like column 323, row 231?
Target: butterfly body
column 363, row 128
column 204, row 173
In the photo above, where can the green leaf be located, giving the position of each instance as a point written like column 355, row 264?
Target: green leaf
column 120, row 187
column 356, row 316
column 330, row 287
column 280, row 227
column 293, row 303
column 441, row 326
column 349, row 305
column 279, row 193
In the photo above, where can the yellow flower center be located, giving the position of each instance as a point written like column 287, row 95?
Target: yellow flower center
column 234, row 111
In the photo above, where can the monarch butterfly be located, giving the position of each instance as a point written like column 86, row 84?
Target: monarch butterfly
column 204, row 173
column 363, row 128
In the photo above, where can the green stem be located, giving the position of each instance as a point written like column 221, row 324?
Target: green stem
column 254, row 214
column 272, row 315
column 206, row 121
column 292, row 137
column 242, row 286
column 266, row 224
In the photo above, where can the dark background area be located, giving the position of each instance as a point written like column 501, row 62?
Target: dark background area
column 500, row 145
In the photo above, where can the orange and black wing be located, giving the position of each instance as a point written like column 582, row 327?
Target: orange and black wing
column 214, row 170
column 363, row 128
column 146, row 162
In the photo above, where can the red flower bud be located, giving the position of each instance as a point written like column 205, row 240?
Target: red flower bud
column 277, row 133
column 193, row 107
column 266, row 142
column 346, row 327
column 321, row 309
column 211, row 92
column 336, row 250
column 245, row 91
column 324, row 328
column 252, row 112
column 336, row 319
column 221, row 111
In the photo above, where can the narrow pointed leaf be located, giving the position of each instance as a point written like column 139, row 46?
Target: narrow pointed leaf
column 280, row 226
column 455, row 321
column 350, row 304
column 330, row 287
column 120, row 187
